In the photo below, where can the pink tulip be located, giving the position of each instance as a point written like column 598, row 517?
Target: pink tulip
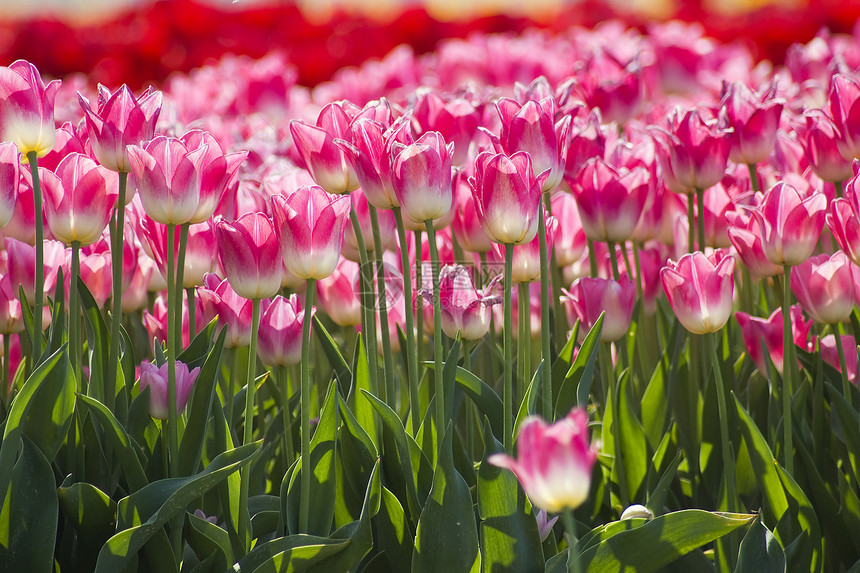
column 9, row 178
column 338, row 294
column 830, row 354
column 325, row 161
column 610, row 202
column 612, row 85
column 570, row 240
column 790, row 224
column 27, row 108
column 507, row 197
column 386, row 227
column 588, row 139
column 825, row 287
column 168, row 178
column 554, row 461
column 531, row 128
column 421, row 175
column 699, row 289
column 754, row 120
column 589, row 297
column 843, row 219
column 121, row 120
column 155, row 378
column 280, row 335
column 233, row 310
column 309, row 225
column 96, row 274
column 68, row 141
column 79, row 208
column 457, row 119
column 464, row 308
column 845, row 110
column 369, row 149
column 11, row 316
column 217, row 171
column 693, row 154
column 250, row 255
column 466, row 225
column 544, row 523
column 22, row 264
column 819, row 136
column 756, row 331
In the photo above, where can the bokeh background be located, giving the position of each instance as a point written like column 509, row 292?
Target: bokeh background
column 142, row 42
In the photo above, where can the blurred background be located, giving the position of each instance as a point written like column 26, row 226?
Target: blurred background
column 141, row 42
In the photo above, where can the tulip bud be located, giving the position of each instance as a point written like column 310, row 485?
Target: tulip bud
column 27, row 108
column 155, row 378
column 699, row 290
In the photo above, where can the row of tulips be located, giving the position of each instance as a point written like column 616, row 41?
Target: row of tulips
column 589, row 196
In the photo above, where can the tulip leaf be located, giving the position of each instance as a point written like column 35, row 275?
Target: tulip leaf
column 98, row 341
column 93, row 515
column 28, row 518
column 392, row 533
column 322, row 462
column 484, row 397
column 361, row 406
column 335, row 358
column 631, row 442
column 447, row 536
column 191, row 447
column 57, row 328
column 645, row 546
column 510, row 540
column 760, row 552
column 847, row 420
column 277, row 555
column 800, row 506
column 576, row 386
column 206, row 538
column 528, row 406
column 198, row 350
column 146, row 511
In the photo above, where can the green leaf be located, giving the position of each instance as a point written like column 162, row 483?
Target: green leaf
column 278, row 554
column 510, row 540
column 335, row 358
column 93, row 515
column 528, row 406
column 150, row 508
column 649, row 545
column 364, row 411
column 392, row 533
column 447, row 536
column 98, row 341
column 632, row 444
column 799, row 506
column 322, row 462
column 576, row 386
column 760, row 552
column 206, row 538
column 28, row 519
column 484, row 397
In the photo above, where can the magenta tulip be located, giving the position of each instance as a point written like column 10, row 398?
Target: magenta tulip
column 325, row 161
column 339, row 294
column 554, row 461
column 155, row 378
column 249, row 254
column 465, row 309
column 790, row 224
column 699, row 289
column 610, row 202
column 843, row 219
column 280, row 336
column 79, row 208
column 825, row 287
column 233, row 310
column 694, row 154
column 819, row 136
column 754, row 120
column 309, row 225
column 589, row 297
column 421, row 176
column 9, row 181
column 27, row 109
column 845, row 110
column 756, row 331
column 217, row 171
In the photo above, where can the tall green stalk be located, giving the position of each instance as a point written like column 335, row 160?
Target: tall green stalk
column 283, row 381
column 524, row 339
column 387, row 361
column 419, row 303
column 248, row 436
column 846, row 385
column 304, row 504
column 172, row 414
column 507, row 335
column 40, row 257
column 441, row 422
column 691, row 223
column 756, row 186
column 788, row 372
column 116, row 247
column 368, row 315
column 411, row 349
column 180, row 278
column 570, row 533
column 545, row 334
column 728, row 456
column 700, row 202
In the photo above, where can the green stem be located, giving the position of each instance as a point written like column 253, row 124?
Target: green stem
column 180, row 278
column 846, row 385
column 756, row 186
column 728, row 456
column 289, row 452
column 368, row 315
column 441, row 422
column 40, row 256
column 74, row 317
column 507, row 334
column 524, row 338
column 192, row 314
column 545, row 333
column 837, row 186
column 7, row 369
column 304, row 504
column 639, row 279
column 788, row 371
column 231, row 388
column 419, row 304
column 691, row 224
column 570, row 533
column 613, row 260
column 116, row 238
column 700, row 201
column 248, row 436
column 411, row 349
column 172, row 414
column 387, row 361
column 592, row 259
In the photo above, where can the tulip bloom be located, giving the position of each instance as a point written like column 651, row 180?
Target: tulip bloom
column 754, row 119
column 11, row 314
column 168, row 177
column 466, row 225
column 554, row 461
column 421, row 176
column 280, row 336
column 325, row 161
column 121, row 120
column 699, row 289
column 507, row 196
column 338, row 294
column 790, row 224
column 217, row 171
column 610, row 202
column 27, row 109
column 80, row 200
column 233, row 310
column 249, row 254
column 570, row 240
column 9, row 181
column 694, row 154
column 309, row 225
column 825, row 287
column 844, row 220
column 769, row 330
column 830, row 354
column 22, row 264
column 369, row 149
column 465, row 309
column 589, row 297
column 819, row 136
column 845, row 109
column 155, row 378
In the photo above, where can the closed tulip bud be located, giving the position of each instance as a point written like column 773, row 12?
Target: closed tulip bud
column 79, row 207
column 217, row 171
column 421, row 175
column 368, row 150
column 326, row 162
column 155, row 378
column 554, row 461
column 693, row 154
column 120, row 120
column 819, row 136
column 570, row 240
column 466, row 225
column 610, row 202
column 845, row 109
column 790, row 224
column 756, row 331
column 22, row 265
column 589, row 297
column 27, row 108
column 825, row 287
column 249, row 254
column 465, row 309
column 754, row 119
column 699, row 289
column 233, row 310
column 280, row 335
column 507, row 196
column 11, row 316
column 843, row 219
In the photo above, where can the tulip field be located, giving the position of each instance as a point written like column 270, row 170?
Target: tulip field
column 565, row 302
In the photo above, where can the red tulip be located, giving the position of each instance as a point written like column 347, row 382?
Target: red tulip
column 309, row 225
column 554, row 461
column 27, row 108
column 79, row 207
column 825, row 287
column 250, row 255
column 699, row 289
